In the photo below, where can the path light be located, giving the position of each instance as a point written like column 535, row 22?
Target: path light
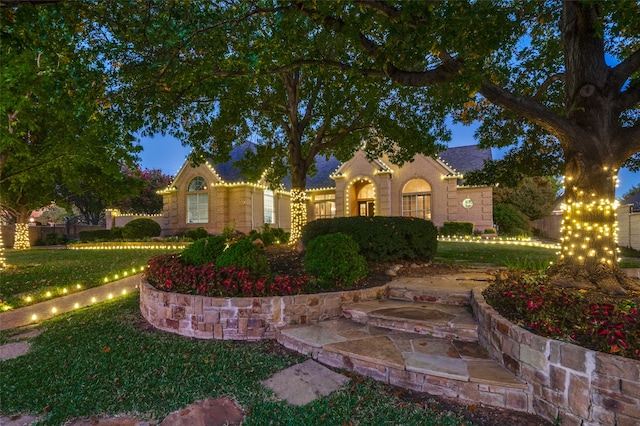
column 54, row 310
column 110, row 296
column 77, row 305
column 93, row 300
column 34, row 317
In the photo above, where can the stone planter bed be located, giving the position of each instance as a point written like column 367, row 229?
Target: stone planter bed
column 242, row 318
column 575, row 385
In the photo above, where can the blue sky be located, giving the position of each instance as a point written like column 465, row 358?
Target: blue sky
column 168, row 154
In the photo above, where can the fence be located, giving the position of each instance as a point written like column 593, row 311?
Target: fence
column 38, row 233
column 628, row 227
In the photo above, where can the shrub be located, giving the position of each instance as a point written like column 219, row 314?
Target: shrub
column 335, row 260
column 490, row 231
column 50, row 239
column 270, row 235
column 203, row 251
column 381, row 238
column 510, row 220
column 245, row 255
column 457, row 228
column 116, row 233
column 196, row 234
column 94, row 235
column 141, row 228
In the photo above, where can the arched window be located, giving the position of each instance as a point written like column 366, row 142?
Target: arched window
column 416, row 199
column 197, row 201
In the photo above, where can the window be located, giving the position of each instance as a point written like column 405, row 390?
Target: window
column 324, row 206
column 269, row 209
column 416, row 199
column 197, row 201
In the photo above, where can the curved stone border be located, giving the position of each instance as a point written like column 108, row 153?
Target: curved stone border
column 242, row 318
column 576, row 385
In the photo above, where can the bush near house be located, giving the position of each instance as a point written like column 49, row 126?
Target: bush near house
column 335, row 260
column 196, row 234
column 141, row 228
column 244, row 254
column 381, row 238
column 456, row 228
column 270, row 235
column 95, row 235
column 203, row 251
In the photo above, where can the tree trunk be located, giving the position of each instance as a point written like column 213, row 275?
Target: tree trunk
column 593, row 153
column 588, row 258
column 298, row 192
column 21, row 236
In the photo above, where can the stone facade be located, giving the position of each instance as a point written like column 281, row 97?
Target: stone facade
column 336, row 190
column 242, row 318
column 574, row 385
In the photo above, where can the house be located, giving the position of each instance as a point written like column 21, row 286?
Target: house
column 214, row 196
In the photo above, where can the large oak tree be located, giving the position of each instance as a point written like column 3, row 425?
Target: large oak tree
column 559, row 76
column 215, row 74
column 59, row 131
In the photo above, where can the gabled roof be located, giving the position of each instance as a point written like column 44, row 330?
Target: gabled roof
column 460, row 159
column 227, row 171
column 466, row 158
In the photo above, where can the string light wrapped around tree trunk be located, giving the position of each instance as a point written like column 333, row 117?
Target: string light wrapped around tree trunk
column 21, row 240
column 3, row 260
column 298, row 214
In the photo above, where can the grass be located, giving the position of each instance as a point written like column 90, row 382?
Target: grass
column 512, row 256
column 96, row 362
column 35, row 272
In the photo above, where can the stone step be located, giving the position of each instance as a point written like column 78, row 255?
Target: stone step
column 446, row 321
column 452, row 289
column 451, row 368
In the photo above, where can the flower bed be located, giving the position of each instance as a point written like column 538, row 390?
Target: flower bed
column 571, row 384
column 242, row 318
column 602, row 323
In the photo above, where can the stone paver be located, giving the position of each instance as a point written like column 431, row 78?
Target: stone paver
column 13, row 350
column 305, row 382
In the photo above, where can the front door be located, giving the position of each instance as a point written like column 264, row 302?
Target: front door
column 365, row 208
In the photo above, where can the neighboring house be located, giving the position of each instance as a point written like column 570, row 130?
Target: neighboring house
column 214, row 196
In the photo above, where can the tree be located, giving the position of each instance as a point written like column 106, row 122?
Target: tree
column 216, row 74
column 59, row 129
column 515, row 207
column 559, row 74
column 145, row 201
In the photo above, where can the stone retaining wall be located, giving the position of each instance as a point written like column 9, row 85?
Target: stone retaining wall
column 242, row 318
column 570, row 383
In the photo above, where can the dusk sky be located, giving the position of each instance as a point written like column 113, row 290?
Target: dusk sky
column 168, row 154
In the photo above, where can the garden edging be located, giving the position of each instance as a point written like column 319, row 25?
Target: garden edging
column 242, row 318
column 575, row 385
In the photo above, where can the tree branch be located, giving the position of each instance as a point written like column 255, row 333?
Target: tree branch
column 624, row 70
column 548, row 82
column 531, row 110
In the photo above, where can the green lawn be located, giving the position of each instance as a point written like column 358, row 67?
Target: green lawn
column 35, row 272
column 509, row 255
column 96, row 362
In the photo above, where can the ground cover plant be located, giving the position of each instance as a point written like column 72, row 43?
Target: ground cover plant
column 35, row 272
column 592, row 320
column 106, row 361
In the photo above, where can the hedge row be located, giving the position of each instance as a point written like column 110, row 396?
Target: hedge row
column 381, row 238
